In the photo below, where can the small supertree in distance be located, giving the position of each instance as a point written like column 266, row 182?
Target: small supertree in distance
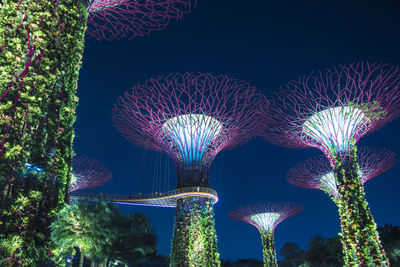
column 41, row 46
column 88, row 173
column 331, row 110
column 317, row 173
column 191, row 117
column 265, row 217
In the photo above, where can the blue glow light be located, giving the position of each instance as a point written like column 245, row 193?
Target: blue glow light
column 328, row 182
column 192, row 135
column 335, row 128
column 32, row 169
column 266, row 220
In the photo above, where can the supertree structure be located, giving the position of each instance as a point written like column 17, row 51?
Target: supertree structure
column 88, row 173
column 110, row 19
column 41, row 46
column 331, row 110
column 265, row 217
column 191, row 117
column 317, row 173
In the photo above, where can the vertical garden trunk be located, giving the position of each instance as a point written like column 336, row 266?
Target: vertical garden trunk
column 269, row 253
column 41, row 45
column 360, row 237
column 195, row 241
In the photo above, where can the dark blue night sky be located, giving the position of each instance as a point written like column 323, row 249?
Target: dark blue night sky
column 266, row 43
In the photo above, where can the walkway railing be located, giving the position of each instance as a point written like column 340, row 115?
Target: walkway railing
column 162, row 199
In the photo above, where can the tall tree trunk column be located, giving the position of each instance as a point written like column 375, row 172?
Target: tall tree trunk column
column 41, row 46
column 195, row 241
column 360, row 237
column 269, row 253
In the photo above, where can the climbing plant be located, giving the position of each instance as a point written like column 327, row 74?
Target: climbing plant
column 269, row 252
column 360, row 238
column 195, row 240
column 41, row 45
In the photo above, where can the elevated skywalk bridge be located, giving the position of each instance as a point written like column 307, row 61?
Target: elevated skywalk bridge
column 163, row 199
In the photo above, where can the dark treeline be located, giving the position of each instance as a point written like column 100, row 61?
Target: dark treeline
column 326, row 252
column 96, row 233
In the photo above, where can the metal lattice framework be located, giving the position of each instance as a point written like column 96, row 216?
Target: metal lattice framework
column 317, row 173
column 110, row 19
column 88, row 173
column 265, row 216
column 331, row 110
column 190, row 116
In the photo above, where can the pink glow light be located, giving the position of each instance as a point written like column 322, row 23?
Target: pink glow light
column 332, row 110
column 317, row 173
column 221, row 112
column 88, row 173
column 265, row 217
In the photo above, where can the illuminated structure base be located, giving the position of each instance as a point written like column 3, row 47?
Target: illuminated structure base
column 360, row 238
column 166, row 199
column 195, row 242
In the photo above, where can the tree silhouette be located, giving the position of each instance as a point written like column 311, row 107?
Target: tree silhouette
column 390, row 236
column 292, row 254
column 81, row 225
column 102, row 233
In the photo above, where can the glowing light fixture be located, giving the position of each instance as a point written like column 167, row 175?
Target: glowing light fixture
column 328, row 182
column 317, row 172
column 334, row 127
column 192, row 134
column 266, row 220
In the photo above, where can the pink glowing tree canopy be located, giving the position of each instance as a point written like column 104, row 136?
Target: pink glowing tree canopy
column 317, row 173
column 191, row 116
column 111, row 19
column 88, row 173
column 331, row 110
column 265, row 216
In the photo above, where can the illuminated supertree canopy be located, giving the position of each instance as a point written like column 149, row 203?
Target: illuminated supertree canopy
column 317, row 173
column 191, row 116
column 88, row 173
column 331, row 110
column 111, row 19
column 265, row 217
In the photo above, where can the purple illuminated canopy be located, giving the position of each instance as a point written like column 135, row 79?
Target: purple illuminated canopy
column 88, row 173
column 265, row 216
column 190, row 116
column 317, row 172
column 110, row 19
column 333, row 109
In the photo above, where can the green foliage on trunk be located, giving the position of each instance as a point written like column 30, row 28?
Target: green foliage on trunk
column 269, row 253
column 41, row 45
column 360, row 239
column 195, row 241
